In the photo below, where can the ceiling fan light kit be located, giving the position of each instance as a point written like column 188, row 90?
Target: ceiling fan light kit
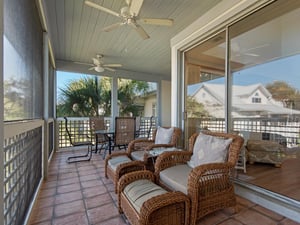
column 99, row 66
column 129, row 16
column 99, row 69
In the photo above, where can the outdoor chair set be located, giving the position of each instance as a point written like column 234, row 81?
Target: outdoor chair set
column 99, row 137
column 186, row 184
column 136, row 155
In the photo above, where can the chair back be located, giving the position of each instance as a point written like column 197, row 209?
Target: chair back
column 124, row 130
column 144, row 128
column 234, row 147
column 97, row 123
column 175, row 136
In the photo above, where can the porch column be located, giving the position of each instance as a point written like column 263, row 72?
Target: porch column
column 46, row 103
column 114, row 101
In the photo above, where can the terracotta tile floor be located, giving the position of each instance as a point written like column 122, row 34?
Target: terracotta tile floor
column 79, row 194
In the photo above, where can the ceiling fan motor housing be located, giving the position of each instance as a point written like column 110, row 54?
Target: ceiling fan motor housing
column 125, row 12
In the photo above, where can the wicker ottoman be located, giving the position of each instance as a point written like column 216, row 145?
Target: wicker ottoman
column 265, row 152
column 143, row 202
column 118, row 164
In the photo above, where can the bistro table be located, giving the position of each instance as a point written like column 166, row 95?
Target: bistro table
column 109, row 137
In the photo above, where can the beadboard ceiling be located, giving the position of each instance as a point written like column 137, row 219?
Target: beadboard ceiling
column 75, row 30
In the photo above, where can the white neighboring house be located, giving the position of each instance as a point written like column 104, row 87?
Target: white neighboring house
column 248, row 101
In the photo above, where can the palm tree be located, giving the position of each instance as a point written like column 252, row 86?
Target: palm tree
column 80, row 98
column 88, row 96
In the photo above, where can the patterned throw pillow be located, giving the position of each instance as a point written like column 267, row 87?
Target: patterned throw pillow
column 209, row 149
column 164, row 135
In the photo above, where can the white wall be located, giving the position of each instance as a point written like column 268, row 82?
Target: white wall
column 166, row 103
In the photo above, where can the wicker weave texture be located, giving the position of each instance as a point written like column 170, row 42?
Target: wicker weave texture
column 209, row 186
column 171, row 208
column 122, row 169
column 147, row 145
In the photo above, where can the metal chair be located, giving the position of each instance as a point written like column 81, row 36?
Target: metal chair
column 73, row 140
column 124, row 133
column 96, row 124
column 144, row 131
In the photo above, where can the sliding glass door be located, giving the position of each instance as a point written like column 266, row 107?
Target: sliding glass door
column 263, row 92
column 205, row 85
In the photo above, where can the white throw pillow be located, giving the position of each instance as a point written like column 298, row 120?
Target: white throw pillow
column 209, row 149
column 164, row 135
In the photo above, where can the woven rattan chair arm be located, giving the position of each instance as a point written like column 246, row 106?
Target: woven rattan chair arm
column 209, row 178
column 133, row 176
column 108, row 157
column 150, row 147
column 128, row 167
column 115, row 154
column 168, row 159
column 160, row 201
column 139, row 144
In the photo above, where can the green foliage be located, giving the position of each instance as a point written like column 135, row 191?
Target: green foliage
column 92, row 96
column 195, row 109
column 128, row 92
column 281, row 91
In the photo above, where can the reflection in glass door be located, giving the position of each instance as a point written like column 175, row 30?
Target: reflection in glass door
column 266, row 95
column 205, row 86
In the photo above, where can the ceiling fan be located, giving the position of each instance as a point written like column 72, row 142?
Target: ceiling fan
column 248, row 52
column 130, row 15
column 99, row 66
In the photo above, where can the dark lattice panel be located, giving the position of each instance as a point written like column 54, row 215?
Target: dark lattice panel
column 22, row 174
column 51, row 138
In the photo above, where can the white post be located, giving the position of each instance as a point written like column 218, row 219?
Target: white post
column 46, row 103
column 114, row 101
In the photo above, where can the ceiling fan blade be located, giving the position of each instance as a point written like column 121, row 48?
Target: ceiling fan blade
column 135, row 7
column 159, row 22
column 82, row 63
column 110, row 69
column 112, row 27
column 92, row 68
column 140, row 30
column 113, row 65
column 96, row 6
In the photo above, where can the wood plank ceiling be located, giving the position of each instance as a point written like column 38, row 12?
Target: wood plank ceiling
column 75, row 30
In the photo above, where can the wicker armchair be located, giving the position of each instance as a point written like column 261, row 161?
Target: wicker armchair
column 137, row 149
column 119, row 163
column 208, row 186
